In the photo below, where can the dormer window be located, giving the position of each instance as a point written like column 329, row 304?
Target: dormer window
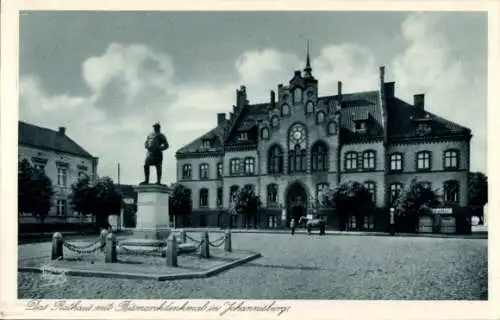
column 243, row 136
column 206, row 143
column 360, row 126
column 285, row 110
column 423, row 128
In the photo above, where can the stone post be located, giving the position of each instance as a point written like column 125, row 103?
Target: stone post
column 172, row 251
column 227, row 241
column 102, row 237
column 204, row 249
column 182, row 235
column 57, row 246
column 111, row 249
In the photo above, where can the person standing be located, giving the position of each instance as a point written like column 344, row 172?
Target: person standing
column 292, row 226
column 392, row 228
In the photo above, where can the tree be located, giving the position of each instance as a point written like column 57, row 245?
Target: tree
column 478, row 193
column 35, row 191
column 180, row 202
column 349, row 199
column 412, row 203
column 248, row 203
column 101, row 200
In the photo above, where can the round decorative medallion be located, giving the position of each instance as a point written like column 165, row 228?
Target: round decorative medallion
column 297, row 134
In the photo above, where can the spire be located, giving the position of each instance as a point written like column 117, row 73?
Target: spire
column 308, row 68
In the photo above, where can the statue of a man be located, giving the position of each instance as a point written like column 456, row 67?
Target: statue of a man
column 155, row 144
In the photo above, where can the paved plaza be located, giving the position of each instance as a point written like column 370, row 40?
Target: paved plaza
column 303, row 267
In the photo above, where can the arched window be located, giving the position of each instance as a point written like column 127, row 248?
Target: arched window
column 264, row 133
column 450, row 159
column 249, row 166
column 424, row 160
column 275, row 121
column 396, row 162
column 309, row 107
column 297, row 159
column 332, row 128
column 234, row 166
column 275, row 160
column 203, row 197
column 186, row 171
column 370, row 186
column 319, row 157
column 395, row 190
column 451, row 191
column 321, row 190
column 320, row 117
column 285, row 110
column 233, row 192
column 203, row 171
column 351, row 161
column 369, row 160
column 220, row 171
column 297, row 95
column 272, row 194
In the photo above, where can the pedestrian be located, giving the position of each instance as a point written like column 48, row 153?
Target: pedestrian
column 292, row 226
column 392, row 228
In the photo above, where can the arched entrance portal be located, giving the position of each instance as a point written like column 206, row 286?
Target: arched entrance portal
column 296, row 201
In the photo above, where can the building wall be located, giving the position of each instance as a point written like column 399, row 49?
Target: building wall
column 52, row 160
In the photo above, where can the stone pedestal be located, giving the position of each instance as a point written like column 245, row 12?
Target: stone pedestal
column 153, row 225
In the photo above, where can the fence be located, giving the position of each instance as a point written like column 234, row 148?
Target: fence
column 108, row 244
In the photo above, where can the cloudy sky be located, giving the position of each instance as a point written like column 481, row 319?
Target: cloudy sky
column 108, row 76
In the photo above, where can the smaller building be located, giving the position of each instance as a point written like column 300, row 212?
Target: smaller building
column 128, row 216
column 64, row 161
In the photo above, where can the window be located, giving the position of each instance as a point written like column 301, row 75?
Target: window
column 297, row 159
column 272, row 194
column 233, row 192
column 369, row 160
column 275, row 121
column 203, row 220
column 297, row 95
column 203, row 171
column 423, row 129
column 451, row 191
column 219, row 197
column 61, row 208
column 39, row 166
column 186, row 171
column 321, row 190
column 332, row 128
column 285, row 110
column 309, row 107
column 265, row 134
column 320, row 117
column 272, row 222
column 61, row 176
column 351, row 161
column 275, row 160
column 396, row 162
column 319, row 157
column 206, row 143
column 220, row 171
column 395, row 191
column 451, row 159
column 249, row 166
column 368, row 222
column 370, row 186
column 204, row 197
column 423, row 160
column 243, row 136
column 360, row 125
column 234, row 166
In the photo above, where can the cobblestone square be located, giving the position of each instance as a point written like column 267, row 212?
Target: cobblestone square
column 304, row 267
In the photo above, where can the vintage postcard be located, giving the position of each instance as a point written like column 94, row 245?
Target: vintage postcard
column 249, row 160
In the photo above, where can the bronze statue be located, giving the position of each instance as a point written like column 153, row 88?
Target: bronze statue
column 156, row 143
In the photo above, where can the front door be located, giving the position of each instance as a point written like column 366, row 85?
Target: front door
column 296, row 202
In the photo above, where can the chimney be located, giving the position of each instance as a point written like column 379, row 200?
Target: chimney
column 273, row 99
column 389, row 89
column 382, row 77
column 62, row 130
column 241, row 97
column 221, row 117
column 419, row 101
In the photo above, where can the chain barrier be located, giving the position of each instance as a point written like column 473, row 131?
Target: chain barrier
column 85, row 246
column 192, row 239
column 219, row 242
column 83, row 250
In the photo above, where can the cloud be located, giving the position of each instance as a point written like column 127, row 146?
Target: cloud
column 430, row 65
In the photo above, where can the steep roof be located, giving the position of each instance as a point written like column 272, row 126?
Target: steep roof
column 43, row 138
column 215, row 135
column 402, row 121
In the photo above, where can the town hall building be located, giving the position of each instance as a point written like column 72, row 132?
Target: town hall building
column 298, row 144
